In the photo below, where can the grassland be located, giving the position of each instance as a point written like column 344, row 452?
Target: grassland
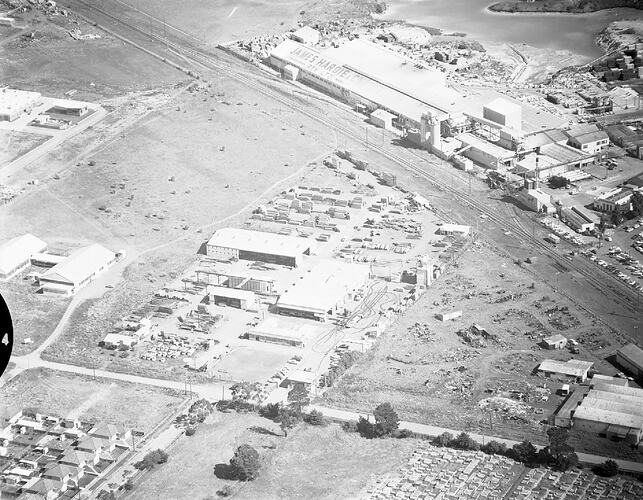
column 34, row 316
column 321, row 462
column 14, row 144
column 49, row 391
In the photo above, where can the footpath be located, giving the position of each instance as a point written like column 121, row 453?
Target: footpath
column 431, row 430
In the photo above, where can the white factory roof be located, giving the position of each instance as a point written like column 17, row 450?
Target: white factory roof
column 324, row 286
column 503, row 106
column 617, row 389
column 491, row 149
column 231, row 293
column 573, row 367
column 608, row 417
column 617, row 405
column 632, row 353
column 119, row 338
column 307, row 34
column 80, row 265
column 621, row 398
column 382, row 114
column 258, row 241
column 606, row 379
column 454, row 228
column 286, row 328
column 334, row 71
column 18, row 250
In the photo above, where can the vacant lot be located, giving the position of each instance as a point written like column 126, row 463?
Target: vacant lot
column 439, row 372
column 14, row 144
column 49, row 391
column 34, row 316
column 321, row 462
column 47, row 59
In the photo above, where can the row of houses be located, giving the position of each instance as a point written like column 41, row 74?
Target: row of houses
column 54, row 457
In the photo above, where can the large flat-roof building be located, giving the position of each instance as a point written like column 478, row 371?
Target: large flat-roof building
column 81, row 267
column 230, row 243
column 284, row 331
column 15, row 254
column 504, row 112
column 612, row 411
column 630, row 358
column 233, row 297
column 616, row 199
column 323, row 290
column 13, row 103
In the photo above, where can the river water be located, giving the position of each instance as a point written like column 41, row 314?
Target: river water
column 573, row 32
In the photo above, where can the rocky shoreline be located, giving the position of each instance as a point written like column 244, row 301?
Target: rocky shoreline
column 619, row 34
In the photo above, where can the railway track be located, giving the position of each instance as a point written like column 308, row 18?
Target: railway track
column 600, row 280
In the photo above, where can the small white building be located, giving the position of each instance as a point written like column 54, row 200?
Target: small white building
column 574, row 370
column 233, row 297
column 15, row 254
column 590, row 143
column 382, row 119
column 13, row 103
column 77, row 270
column 454, row 229
column 554, row 342
column 306, row 35
column 535, row 200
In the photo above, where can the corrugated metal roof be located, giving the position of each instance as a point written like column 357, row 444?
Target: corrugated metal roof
column 18, row 250
column 608, row 417
column 259, row 241
column 633, row 354
column 562, row 153
column 80, row 265
column 577, row 369
column 591, row 137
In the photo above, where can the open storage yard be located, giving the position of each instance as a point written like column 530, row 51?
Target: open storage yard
column 477, row 371
column 57, row 393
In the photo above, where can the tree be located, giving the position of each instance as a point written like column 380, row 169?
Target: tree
column 106, row 495
column 609, row 468
column 365, row 428
column 637, row 203
column 299, row 397
column 315, row 417
column 270, row 411
column 386, row 420
column 129, row 485
column 443, row 439
column 556, row 182
column 247, row 393
column 494, row 448
column 561, row 452
column 464, row 442
column 153, row 458
column 288, row 418
column 524, row 452
column 245, row 463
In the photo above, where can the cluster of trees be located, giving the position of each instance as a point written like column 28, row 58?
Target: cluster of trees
column 557, row 182
column 245, row 463
column 153, row 458
column 345, row 361
column 386, row 423
column 609, row 468
column 559, row 454
column 288, row 416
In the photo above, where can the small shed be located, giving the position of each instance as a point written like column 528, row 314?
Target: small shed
column 306, row 35
column 554, row 342
column 383, row 119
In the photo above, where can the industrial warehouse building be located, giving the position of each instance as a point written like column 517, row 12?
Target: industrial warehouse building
column 574, row 370
column 233, row 297
column 236, row 279
column 13, row 103
column 81, row 267
column 230, row 243
column 15, row 254
column 323, row 290
column 630, row 358
column 284, row 331
column 611, row 411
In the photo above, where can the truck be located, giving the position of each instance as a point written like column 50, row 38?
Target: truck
column 552, row 238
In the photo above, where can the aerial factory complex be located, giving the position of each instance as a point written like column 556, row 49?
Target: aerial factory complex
column 310, row 250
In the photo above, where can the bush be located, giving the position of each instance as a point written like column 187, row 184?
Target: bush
column 129, row 485
column 245, row 463
column 494, row 448
column 609, row 468
column 315, row 418
column 365, row 428
column 190, row 431
column 386, row 420
column 350, row 426
column 153, row 458
column 226, row 491
column 443, row 439
column 403, row 434
column 464, row 442
column 270, row 411
column 106, row 495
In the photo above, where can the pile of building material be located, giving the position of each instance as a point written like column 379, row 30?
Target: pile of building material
column 421, row 331
column 76, row 34
column 476, row 336
column 509, row 408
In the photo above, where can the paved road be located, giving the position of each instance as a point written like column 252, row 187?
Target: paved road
column 431, row 430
